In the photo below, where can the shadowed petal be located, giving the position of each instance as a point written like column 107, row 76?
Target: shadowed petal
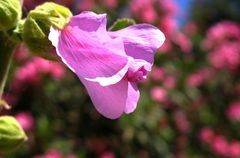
column 132, row 99
column 110, row 101
column 141, row 41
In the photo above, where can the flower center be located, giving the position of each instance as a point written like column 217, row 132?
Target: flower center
column 135, row 76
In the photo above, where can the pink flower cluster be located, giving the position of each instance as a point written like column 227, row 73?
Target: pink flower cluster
column 32, row 71
column 182, row 123
column 199, row 77
column 159, row 74
column 219, row 144
column 53, row 153
column 91, row 4
column 30, row 4
column 223, row 40
column 162, row 13
column 148, row 11
column 166, row 82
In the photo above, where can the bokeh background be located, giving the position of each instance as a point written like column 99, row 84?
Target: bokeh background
column 189, row 105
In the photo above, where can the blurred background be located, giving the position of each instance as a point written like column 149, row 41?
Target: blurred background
column 189, row 105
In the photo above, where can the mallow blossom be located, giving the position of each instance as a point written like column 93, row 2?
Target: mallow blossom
column 109, row 64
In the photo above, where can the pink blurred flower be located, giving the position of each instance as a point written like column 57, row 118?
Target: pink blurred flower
column 111, row 4
column 109, row 62
column 72, row 156
column 108, row 155
column 21, row 53
column 183, row 42
column 168, row 25
column 157, row 73
column 190, row 28
column 166, row 47
column 234, row 149
column 31, row 72
column 144, row 10
column 169, row 82
column 226, row 56
column 233, row 111
column 198, row 78
column 169, row 7
column 182, row 122
column 219, row 145
column 159, row 94
column 26, row 120
column 225, row 31
column 86, row 5
column 51, row 154
column 30, row 4
column 206, row 135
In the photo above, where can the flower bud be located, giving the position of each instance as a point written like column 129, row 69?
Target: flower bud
column 37, row 26
column 10, row 14
column 11, row 134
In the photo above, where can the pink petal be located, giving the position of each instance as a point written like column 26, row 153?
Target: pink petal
column 141, row 41
column 90, row 22
column 88, row 58
column 132, row 99
column 110, row 101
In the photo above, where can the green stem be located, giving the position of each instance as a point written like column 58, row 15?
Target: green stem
column 7, row 47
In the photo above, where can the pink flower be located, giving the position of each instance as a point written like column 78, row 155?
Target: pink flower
column 198, row 78
column 182, row 41
column 31, row 73
column 233, row 111
column 219, row 145
column 26, row 120
column 86, row 4
column 170, row 82
column 225, row 31
column 226, row 56
column 168, row 25
column 182, row 122
column 234, row 150
column 51, row 154
column 144, row 10
column 206, row 135
column 111, row 4
column 159, row 94
column 169, row 7
column 158, row 73
column 108, row 155
column 109, row 64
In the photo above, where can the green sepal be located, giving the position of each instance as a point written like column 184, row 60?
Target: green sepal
column 10, row 14
column 37, row 26
column 11, row 134
column 121, row 24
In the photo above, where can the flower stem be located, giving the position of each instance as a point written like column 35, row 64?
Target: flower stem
column 7, row 47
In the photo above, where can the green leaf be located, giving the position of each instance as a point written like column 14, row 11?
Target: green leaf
column 11, row 134
column 122, row 23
